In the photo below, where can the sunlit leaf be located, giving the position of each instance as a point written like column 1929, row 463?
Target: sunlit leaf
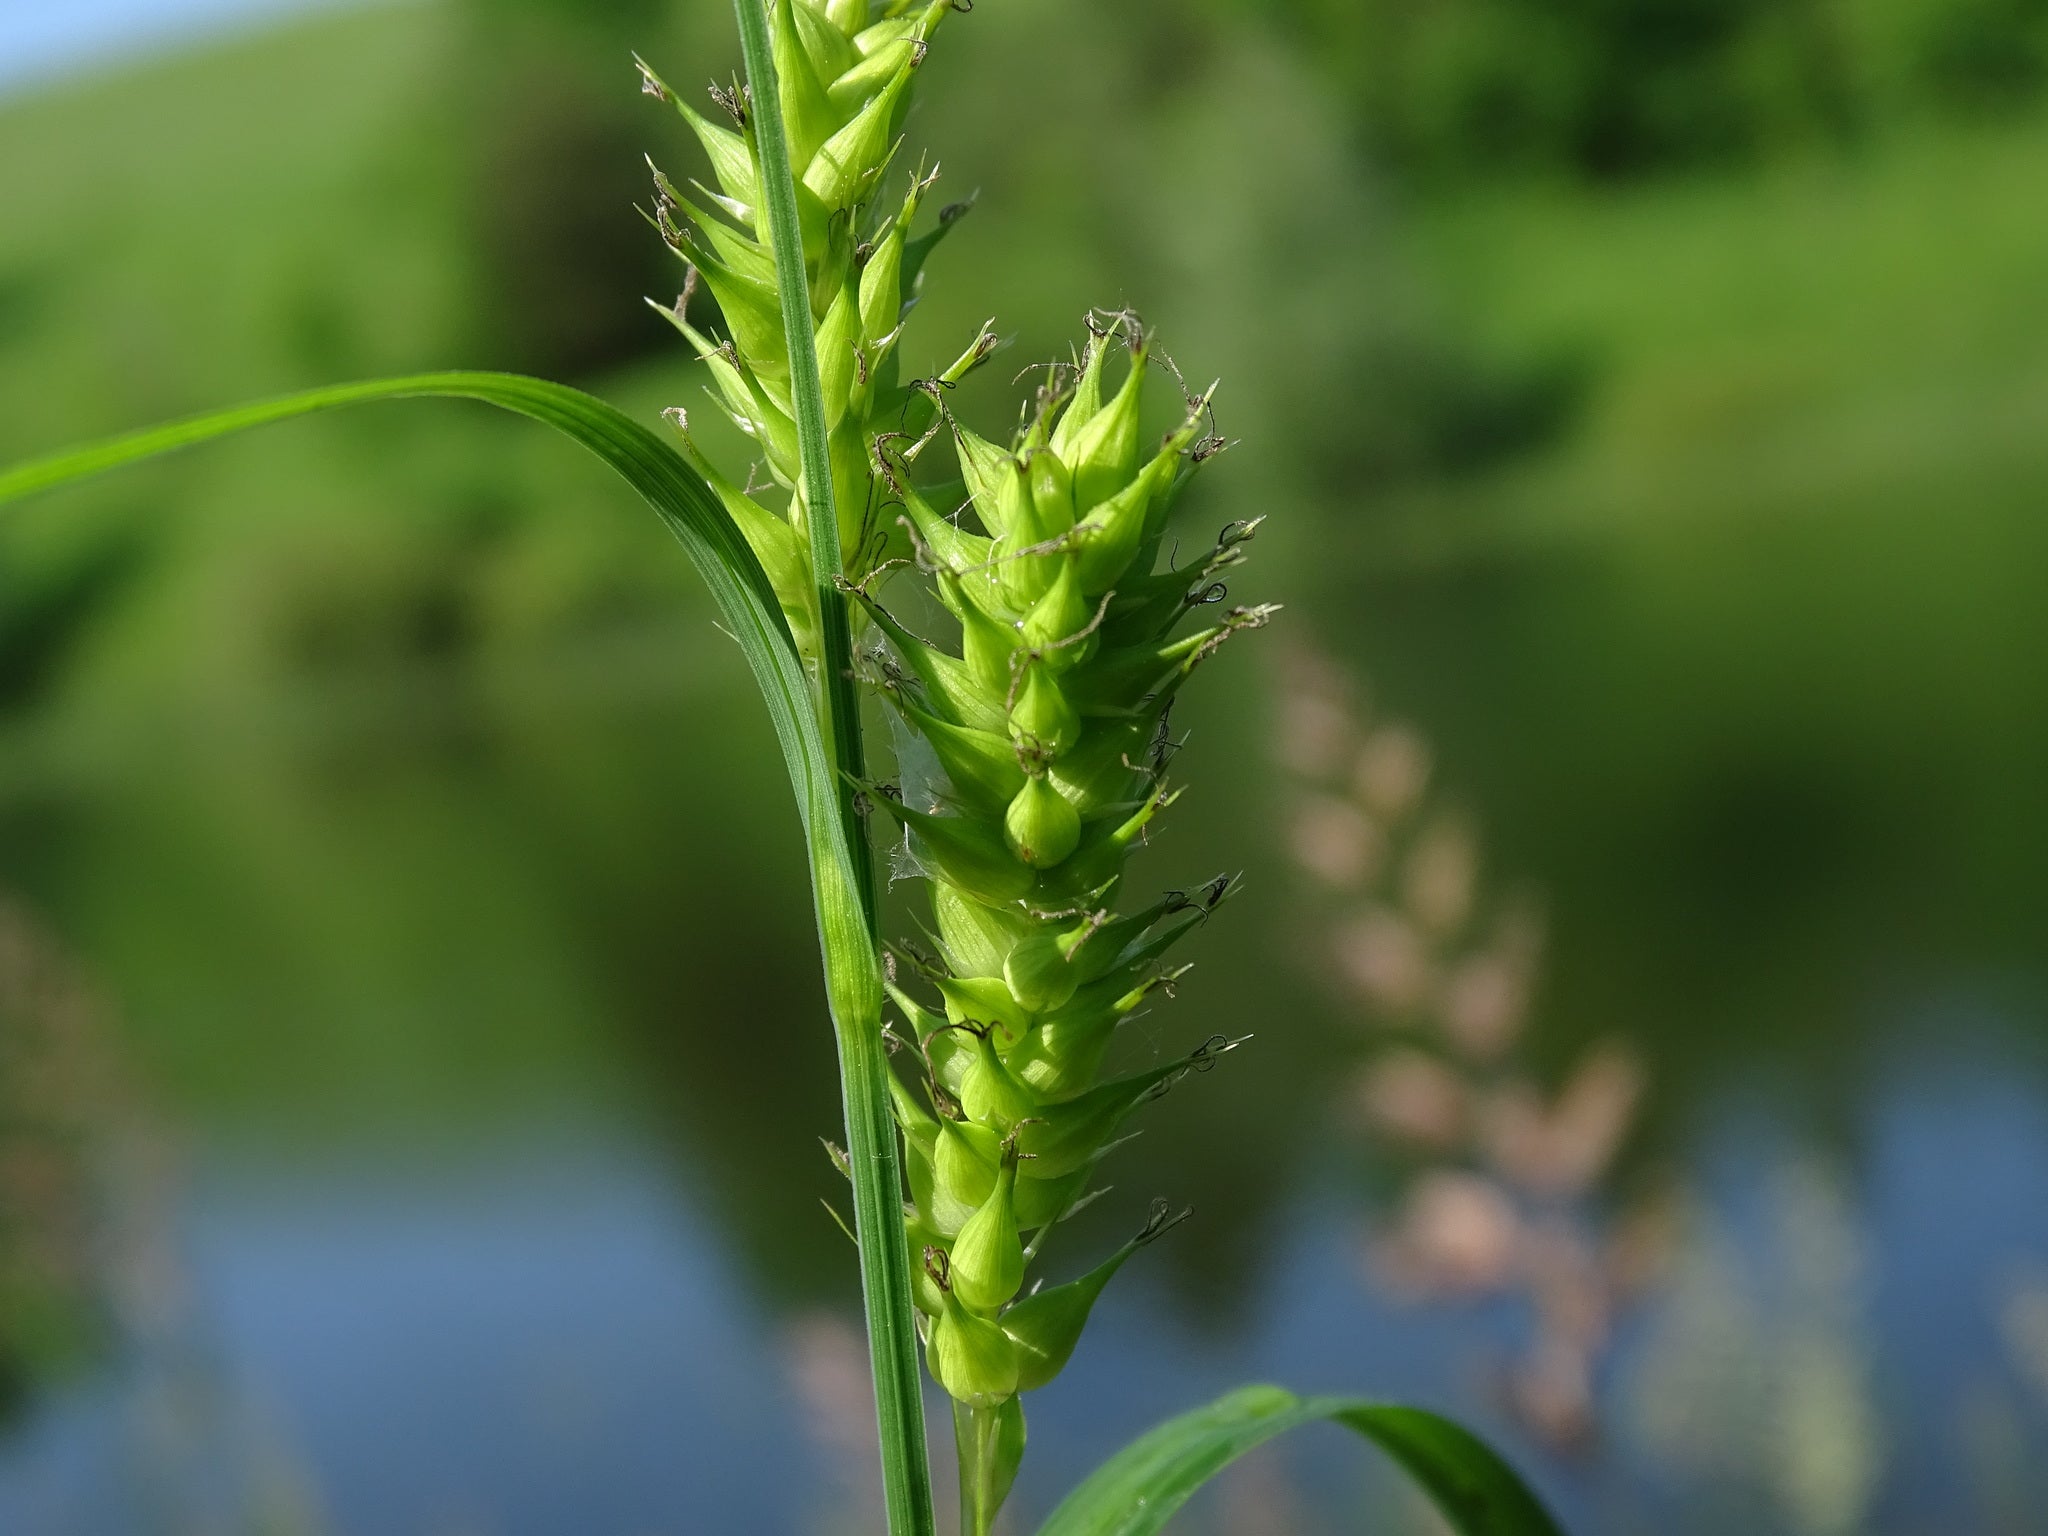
column 708, row 535
column 1137, row 1490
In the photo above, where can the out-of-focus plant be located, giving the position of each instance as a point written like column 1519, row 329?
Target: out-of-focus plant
column 545, row 144
column 1033, row 757
column 1457, row 89
column 88, row 1262
column 58, row 1091
column 1503, row 1178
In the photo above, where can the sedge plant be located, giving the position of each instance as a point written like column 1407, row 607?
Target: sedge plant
column 1031, row 742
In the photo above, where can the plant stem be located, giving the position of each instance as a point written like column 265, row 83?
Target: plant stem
column 974, row 1439
column 863, row 1064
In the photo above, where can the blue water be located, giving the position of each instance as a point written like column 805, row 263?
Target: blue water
column 549, row 1338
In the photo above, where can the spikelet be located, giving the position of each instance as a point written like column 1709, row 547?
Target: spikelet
column 1046, row 723
column 845, row 83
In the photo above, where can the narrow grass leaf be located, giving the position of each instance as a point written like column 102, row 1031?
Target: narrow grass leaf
column 1137, row 1490
column 709, row 536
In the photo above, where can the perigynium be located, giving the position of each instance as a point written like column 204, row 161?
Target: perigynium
column 1035, row 745
column 1033, row 740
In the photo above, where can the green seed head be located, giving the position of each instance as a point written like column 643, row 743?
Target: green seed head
column 981, row 767
column 1039, row 973
column 989, row 1093
column 1057, row 625
column 925, row 1291
column 1060, row 1057
column 1046, row 1325
column 1103, row 449
column 1066, row 1137
column 967, row 853
column 964, row 1160
column 982, row 1004
column 920, row 1127
column 849, row 16
column 1052, row 496
column 1042, row 719
column 1041, row 825
column 991, row 1446
column 969, row 1355
column 988, row 1254
column 986, row 644
column 978, row 939
column 1041, row 1202
column 847, row 165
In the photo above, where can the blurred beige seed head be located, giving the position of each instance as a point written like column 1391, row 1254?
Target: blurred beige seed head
column 1336, row 842
column 1552, row 1392
column 1410, row 1096
column 1563, row 1272
column 1413, row 956
column 827, row 1361
column 1485, row 1001
column 1316, row 734
column 1458, row 1235
column 1255, row 1497
column 1562, row 1150
column 2023, row 1321
column 1642, row 1245
column 1391, row 773
column 1382, row 956
column 1440, row 877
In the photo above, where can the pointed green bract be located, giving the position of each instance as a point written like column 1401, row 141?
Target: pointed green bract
column 1046, row 1325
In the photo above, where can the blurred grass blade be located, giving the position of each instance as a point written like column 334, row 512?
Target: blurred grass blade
column 863, row 1064
column 709, row 536
column 1137, row 1490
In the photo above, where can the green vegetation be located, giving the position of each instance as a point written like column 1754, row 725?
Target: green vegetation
column 1806, row 490
column 1032, row 731
column 1722, row 477
column 1606, row 88
column 1734, row 324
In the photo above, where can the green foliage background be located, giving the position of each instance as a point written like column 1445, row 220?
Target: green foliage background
column 1689, row 495
column 1488, row 89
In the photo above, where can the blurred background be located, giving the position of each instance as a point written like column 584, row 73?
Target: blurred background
column 411, row 1054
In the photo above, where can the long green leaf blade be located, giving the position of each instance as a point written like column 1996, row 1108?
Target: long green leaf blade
column 1137, row 1490
column 692, row 512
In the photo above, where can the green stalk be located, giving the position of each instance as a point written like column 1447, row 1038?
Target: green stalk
column 974, row 1432
column 863, row 1065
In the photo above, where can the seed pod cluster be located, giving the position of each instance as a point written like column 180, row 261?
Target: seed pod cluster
column 1047, row 726
column 844, row 76
column 1038, row 740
